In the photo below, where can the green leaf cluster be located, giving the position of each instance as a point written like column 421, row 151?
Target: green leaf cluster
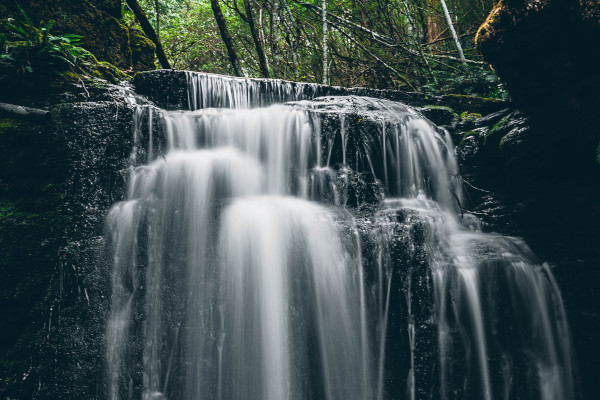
column 473, row 80
column 28, row 51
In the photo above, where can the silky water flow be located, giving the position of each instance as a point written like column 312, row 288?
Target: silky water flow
column 243, row 267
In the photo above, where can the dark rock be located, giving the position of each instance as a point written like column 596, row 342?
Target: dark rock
column 490, row 119
column 537, row 181
column 440, row 115
column 111, row 7
column 57, row 180
column 168, row 89
column 546, row 51
column 394, row 245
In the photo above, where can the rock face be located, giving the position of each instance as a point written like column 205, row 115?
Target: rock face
column 98, row 22
column 57, row 180
column 546, row 51
column 545, row 169
column 522, row 177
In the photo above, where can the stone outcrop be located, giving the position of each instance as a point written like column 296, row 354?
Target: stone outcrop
column 547, row 52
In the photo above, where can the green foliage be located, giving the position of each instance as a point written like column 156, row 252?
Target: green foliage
column 28, row 51
column 598, row 154
column 473, row 80
column 465, row 115
column 376, row 43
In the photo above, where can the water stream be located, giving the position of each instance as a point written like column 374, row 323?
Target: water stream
column 316, row 250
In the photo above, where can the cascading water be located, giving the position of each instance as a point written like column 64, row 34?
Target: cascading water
column 254, row 258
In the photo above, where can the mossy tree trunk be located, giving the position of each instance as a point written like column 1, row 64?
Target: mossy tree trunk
column 140, row 15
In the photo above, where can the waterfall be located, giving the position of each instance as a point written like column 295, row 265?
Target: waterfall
column 316, row 250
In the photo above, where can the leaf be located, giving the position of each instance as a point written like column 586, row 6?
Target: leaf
column 25, row 16
column 50, row 24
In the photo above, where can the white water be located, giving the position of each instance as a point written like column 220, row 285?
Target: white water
column 230, row 280
column 219, row 91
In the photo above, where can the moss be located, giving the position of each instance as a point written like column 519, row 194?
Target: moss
column 109, row 72
column 467, row 116
column 468, row 97
column 445, row 108
column 487, row 28
column 498, row 126
column 142, row 51
column 8, row 124
column 70, row 77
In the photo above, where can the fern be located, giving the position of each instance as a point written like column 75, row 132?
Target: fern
column 26, row 49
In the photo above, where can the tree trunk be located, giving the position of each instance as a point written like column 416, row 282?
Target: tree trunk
column 416, row 40
column 454, row 35
column 262, row 59
column 325, row 65
column 226, row 37
column 295, row 41
column 140, row 15
column 261, row 31
column 275, row 37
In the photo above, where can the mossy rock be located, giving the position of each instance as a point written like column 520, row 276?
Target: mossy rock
column 546, row 52
column 507, row 135
column 493, row 137
column 97, row 21
column 111, row 7
column 469, row 135
column 142, row 51
column 107, row 71
column 473, row 104
column 440, row 115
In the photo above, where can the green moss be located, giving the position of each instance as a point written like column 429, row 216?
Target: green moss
column 468, row 97
column 445, row 108
column 142, row 51
column 10, row 124
column 487, row 28
column 467, row 116
column 109, row 72
column 498, row 127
